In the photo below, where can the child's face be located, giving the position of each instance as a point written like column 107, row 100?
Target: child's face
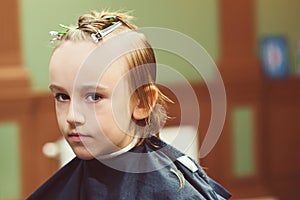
column 89, row 117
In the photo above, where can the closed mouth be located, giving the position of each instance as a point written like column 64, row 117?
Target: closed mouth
column 77, row 137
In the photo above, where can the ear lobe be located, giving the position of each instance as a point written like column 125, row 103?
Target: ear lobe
column 141, row 111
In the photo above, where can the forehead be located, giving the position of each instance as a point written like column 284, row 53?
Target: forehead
column 70, row 55
column 79, row 63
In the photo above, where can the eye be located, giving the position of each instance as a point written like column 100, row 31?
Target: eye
column 93, row 97
column 61, row 97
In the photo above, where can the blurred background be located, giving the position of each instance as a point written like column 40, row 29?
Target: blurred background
column 255, row 44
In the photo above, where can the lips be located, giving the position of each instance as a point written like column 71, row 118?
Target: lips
column 77, row 137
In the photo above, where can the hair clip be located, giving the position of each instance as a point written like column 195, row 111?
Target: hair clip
column 109, row 17
column 58, row 34
column 67, row 27
column 101, row 33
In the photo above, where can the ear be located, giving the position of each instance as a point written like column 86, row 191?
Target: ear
column 140, row 111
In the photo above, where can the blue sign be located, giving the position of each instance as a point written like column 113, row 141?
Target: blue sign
column 274, row 56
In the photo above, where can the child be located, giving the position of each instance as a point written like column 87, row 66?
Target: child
column 102, row 75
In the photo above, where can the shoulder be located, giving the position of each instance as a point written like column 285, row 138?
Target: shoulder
column 191, row 172
column 54, row 184
column 165, row 183
column 173, row 154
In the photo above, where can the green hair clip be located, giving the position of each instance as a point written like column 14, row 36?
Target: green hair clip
column 66, row 27
column 58, row 34
column 109, row 17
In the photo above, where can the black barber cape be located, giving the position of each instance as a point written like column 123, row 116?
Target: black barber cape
column 162, row 172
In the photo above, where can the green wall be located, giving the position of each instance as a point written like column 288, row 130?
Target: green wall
column 10, row 180
column 195, row 18
column 243, row 145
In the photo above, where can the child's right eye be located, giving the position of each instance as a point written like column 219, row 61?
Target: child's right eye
column 60, row 97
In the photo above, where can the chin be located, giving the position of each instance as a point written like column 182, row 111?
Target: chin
column 83, row 154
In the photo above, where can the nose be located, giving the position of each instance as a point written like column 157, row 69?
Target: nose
column 75, row 117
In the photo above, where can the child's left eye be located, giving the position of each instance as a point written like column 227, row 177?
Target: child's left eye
column 93, row 97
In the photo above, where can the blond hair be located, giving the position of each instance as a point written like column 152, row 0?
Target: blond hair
column 95, row 21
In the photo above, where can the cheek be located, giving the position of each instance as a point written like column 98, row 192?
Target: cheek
column 112, row 119
column 121, row 104
column 61, row 116
column 122, row 117
column 103, row 117
column 122, row 111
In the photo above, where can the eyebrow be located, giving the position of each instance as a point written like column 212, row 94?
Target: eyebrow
column 93, row 87
column 53, row 87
